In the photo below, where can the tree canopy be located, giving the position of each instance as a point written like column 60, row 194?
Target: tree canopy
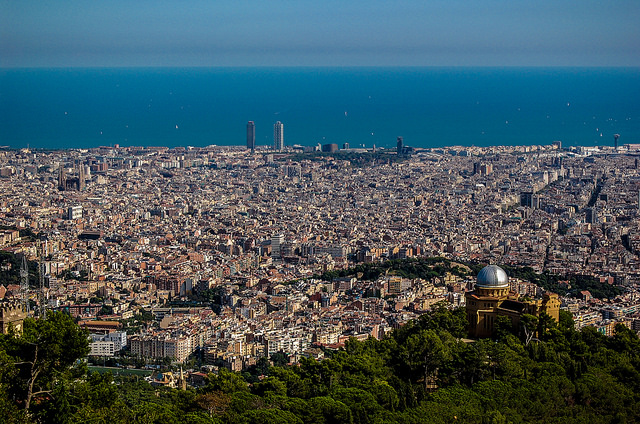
column 423, row 372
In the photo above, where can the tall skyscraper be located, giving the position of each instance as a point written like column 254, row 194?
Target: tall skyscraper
column 400, row 144
column 529, row 199
column 251, row 135
column 278, row 136
column 277, row 240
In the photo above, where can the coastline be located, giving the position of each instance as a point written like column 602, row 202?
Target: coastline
column 362, row 106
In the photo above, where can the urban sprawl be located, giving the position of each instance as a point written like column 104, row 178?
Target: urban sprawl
column 120, row 230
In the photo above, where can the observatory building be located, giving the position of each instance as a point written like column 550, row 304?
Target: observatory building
column 492, row 298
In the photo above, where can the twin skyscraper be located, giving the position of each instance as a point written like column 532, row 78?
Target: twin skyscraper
column 278, row 136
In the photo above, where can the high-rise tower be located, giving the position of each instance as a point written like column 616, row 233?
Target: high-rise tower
column 278, row 136
column 251, row 136
column 277, row 240
column 400, row 144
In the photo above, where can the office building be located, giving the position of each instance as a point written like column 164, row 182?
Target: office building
column 74, row 212
column 486, row 169
column 330, row 148
column 278, row 136
column 529, row 199
column 277, row 241
column 251, row 136
column 476, row 168
column 480, row 168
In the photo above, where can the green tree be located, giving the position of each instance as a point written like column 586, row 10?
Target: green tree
column 215, row 403
column 362, row 404
column 48, row 348
column 279, row 359
column 427, row 352
column 503, row 328
column 385, row 395
column 270, row 384
column 226, row 382
column 324, row 409
column 296, row 385
column 529, row 325
column 9, row 408
column 271, row 416
column 565, row 321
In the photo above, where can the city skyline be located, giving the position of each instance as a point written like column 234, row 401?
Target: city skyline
column 452, row 232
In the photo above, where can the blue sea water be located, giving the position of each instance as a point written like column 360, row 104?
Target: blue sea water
column 429, row 107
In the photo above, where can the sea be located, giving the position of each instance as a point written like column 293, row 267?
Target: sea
column 429, row 107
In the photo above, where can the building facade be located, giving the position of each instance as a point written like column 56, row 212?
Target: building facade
column 278, row 136
column 492, row 298
column 251, row 135
column 400, row 146
column 277, row 240
column 161, row 346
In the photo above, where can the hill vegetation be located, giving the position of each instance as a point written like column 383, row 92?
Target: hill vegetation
column 427, row 268
column 423, row 372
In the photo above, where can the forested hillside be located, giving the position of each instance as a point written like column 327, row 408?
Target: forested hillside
column 423, row 373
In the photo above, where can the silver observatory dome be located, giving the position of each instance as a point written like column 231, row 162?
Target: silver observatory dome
column 492, row 276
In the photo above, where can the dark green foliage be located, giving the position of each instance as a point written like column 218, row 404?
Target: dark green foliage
column 227, row 382
column 358, row 160
column 425, row 268
column 428, row 268
column 10, row 269
column 271, row 416
column 42, row 356
column 280, row 359
column 423, row 372
column 578, row 283
column 328, row 410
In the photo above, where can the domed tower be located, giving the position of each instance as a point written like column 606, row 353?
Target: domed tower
column 492, row 281
column 491, row 299
column 492, row 288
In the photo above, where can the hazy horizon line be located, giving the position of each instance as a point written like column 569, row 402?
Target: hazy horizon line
column 326, row 67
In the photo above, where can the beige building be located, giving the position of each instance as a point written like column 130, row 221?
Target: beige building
column 492, row 298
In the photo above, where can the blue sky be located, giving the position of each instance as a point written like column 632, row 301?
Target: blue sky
column 67, row 33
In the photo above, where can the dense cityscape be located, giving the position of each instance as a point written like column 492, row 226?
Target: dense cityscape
column 218, row 257
column 400, row 240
